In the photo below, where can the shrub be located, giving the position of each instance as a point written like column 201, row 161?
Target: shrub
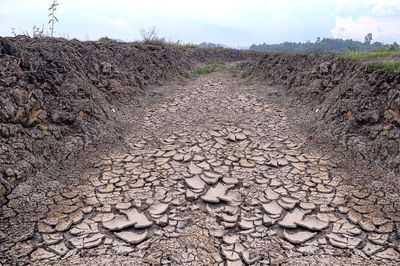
column 106, row 39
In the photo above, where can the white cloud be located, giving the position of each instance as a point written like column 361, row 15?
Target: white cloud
column 120, row 23
column 384, row 29
column 344, row 5
column 384, row 7
column 4, row 10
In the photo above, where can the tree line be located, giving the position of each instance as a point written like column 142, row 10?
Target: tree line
column 326, row 45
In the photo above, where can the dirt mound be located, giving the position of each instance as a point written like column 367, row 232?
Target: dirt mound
column 346, row 101
column 56, row 94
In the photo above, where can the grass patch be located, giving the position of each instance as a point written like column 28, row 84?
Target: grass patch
column 151, row 37
column 371, row 54
column 156, row 41
column 162, row 42
column 207, row 69
column 181, row 45
column 106, row 39
column 391, row 66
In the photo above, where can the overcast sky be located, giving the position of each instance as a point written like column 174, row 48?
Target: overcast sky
column 230, row 22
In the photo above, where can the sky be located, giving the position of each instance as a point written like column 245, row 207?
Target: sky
column 235, row 23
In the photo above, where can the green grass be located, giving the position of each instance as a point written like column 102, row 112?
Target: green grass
column 390, row 66
column 162, row 42
column 181, row 45
column 364, row 55
column 207, row 69
column 105, row 39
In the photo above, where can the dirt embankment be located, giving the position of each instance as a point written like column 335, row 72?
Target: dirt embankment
column 55, row 95
column 355, row 106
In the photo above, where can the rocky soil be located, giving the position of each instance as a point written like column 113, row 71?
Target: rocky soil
column 212, row 172
column 357, row 107
column 217, row 170
column 57, row 96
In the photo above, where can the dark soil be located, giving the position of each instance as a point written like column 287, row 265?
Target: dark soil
column 61, row 97
column 346, row 102
column 57, row 95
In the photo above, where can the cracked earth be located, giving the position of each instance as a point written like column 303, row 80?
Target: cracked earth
column 214, row 173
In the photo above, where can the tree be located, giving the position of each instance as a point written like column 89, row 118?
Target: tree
column 52, row 16
column 368, row 38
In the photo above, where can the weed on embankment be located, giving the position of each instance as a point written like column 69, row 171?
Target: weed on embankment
column 207, row 69
column 390, row 66
column 366, row 55
column 381, row 59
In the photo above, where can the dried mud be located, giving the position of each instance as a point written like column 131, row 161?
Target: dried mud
column 219, row 170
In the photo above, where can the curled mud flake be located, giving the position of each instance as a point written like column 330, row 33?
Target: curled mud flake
column 292, row 218
column 158, row 209
column 298, row 237
column 270, row 194
column 41, row 254
column 312, row 223
column 246, row 163
column 389, row 254
column 132, row 218
column 371, row 248
column 214, row 194
column 343, row 241
column 272, row 208
column 240, row 136
column 195, row 183
column 307, row 205
column 194, row 169
column 60, row 249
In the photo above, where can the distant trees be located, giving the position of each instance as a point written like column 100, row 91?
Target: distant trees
column 325, row 45
column 368, row 38
column 212, row 45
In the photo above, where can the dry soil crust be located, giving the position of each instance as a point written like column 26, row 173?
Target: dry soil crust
column 212, row 172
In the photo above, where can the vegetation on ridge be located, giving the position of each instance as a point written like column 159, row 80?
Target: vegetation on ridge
column 389, row 66
column 369, row 54
column 207, row 69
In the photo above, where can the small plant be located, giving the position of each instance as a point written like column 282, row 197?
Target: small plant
column 150, row 37
column 106, row 39
column 53, row 18
column 13, row 32
column 37, row 32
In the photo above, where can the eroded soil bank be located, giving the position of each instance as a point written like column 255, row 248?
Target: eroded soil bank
column 347, row 102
